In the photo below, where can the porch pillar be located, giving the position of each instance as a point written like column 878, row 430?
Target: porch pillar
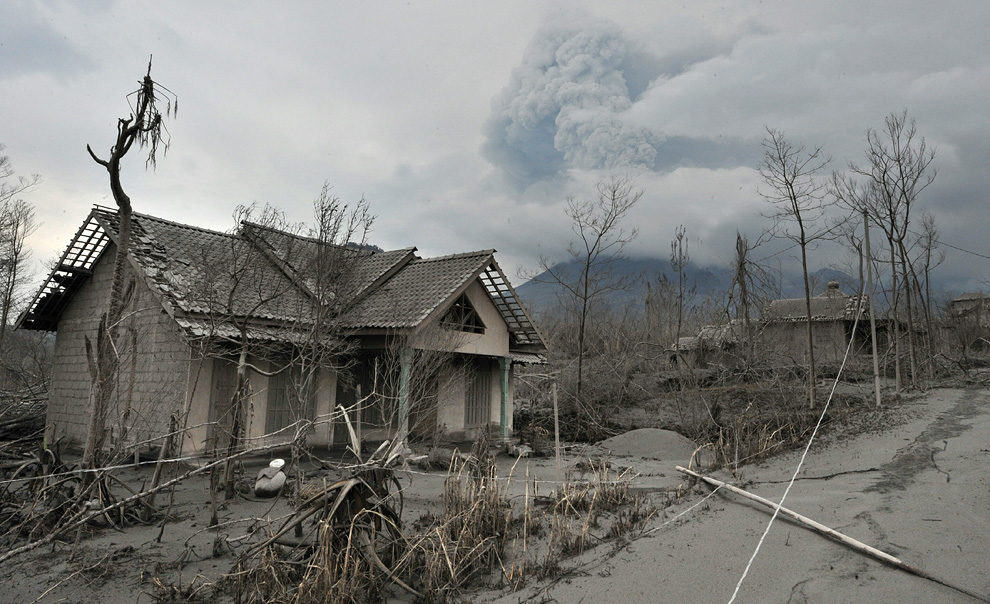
column 405, row 367
column 504, row 363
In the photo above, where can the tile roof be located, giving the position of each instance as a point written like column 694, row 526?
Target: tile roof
column 199, row 271
column 830, row 305
column 416, row 290
column 265, row 278
column 355, row 270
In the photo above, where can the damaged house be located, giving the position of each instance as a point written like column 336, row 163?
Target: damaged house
column 410, row 347
column 833, row 314
column 969, row 320
column 713, row 344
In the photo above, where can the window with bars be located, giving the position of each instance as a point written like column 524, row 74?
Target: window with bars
column 477, row 395
column 289, row 399
column 379, row 377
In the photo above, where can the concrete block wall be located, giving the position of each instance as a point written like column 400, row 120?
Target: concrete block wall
column 160, row 370
column 787, row 341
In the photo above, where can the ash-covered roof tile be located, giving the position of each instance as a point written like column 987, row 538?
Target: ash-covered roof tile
column 269, row 280
column 416, row 290
column 830, row 305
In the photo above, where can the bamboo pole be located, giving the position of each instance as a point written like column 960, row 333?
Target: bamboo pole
column 836, row 535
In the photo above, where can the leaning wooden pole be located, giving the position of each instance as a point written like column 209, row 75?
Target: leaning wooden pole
column 835, row 535
column 556, row 434
column 873, row 320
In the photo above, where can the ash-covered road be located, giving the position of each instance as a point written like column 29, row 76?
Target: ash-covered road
column 919, row 490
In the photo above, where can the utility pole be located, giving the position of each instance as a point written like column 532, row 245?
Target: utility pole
column 873, row 322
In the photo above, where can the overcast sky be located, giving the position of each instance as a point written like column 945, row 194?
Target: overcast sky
column 466, row 125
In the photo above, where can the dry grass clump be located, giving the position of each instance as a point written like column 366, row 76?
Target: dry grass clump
column 468, row 541
column 605, row 491
column 346, row 556
column 588, row 512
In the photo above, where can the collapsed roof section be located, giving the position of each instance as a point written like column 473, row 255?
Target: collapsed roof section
column 70, row 272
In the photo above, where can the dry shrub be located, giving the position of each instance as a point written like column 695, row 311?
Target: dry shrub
column 350, row 565
column 580, row 508
column 468, row 541
column 749, row 422
column 268, row 578
column 349, row 559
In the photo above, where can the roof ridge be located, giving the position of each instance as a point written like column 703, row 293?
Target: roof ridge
column 106, row 210
column 479, row 253
column 315, row 240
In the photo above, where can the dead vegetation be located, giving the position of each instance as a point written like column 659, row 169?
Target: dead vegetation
column 346, row 538
column 354, row 548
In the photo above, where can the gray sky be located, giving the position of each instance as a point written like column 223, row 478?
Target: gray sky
column 467, row 124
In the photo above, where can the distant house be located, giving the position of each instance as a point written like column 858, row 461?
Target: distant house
column 833, row 315
column 969, row 316
column 198, row 293
column 972, row 304
column 712, row 344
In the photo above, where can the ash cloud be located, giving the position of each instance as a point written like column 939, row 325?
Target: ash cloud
column 566, row 105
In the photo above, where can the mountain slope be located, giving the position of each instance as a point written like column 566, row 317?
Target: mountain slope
column 541, row 292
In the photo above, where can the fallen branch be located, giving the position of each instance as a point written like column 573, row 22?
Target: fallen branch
column 80, row 520
column 835, row 535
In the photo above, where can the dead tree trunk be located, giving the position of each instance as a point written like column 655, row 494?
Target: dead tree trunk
column 145, row 127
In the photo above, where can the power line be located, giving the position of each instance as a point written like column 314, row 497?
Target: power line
column 786, row 249
column 960, row 249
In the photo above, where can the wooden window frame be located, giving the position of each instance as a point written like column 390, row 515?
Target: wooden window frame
column 462, row 316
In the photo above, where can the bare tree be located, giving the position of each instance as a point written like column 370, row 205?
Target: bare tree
column 282, row 323
column 898, row 169
column 930, row 257
column 145, row 126
column 17, row 223
column 790, row 174
column 661, row 313
column 741, row 281
column 600, row 243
